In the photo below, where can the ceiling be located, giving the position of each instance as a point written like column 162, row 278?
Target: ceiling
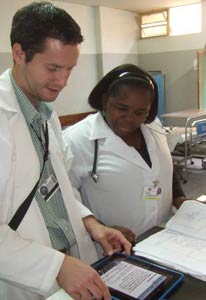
column 133, row 5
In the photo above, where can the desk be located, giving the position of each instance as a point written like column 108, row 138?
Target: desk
column 191, row 288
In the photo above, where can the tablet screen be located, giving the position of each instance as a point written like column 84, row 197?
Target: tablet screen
column 134, row 279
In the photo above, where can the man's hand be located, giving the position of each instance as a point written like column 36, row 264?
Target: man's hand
column 81, row 281
column 130, row 236
column 112, row 240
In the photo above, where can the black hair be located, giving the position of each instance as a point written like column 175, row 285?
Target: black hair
column 130, row 79
column 127, row 74
column 34, row 23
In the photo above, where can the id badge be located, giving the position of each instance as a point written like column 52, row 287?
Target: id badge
column 48, row 188
column 152, row 193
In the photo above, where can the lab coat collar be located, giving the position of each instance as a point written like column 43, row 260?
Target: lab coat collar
column 115, row 144
column 149, row 138
column 8, row 98
column 99, row 128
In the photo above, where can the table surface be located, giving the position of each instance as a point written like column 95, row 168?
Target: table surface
column 191, row 288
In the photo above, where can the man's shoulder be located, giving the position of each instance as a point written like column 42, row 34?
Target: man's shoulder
column 5, row 81
column 5, row 73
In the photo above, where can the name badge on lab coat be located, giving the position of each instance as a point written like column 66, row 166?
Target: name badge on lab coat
column 152, row 193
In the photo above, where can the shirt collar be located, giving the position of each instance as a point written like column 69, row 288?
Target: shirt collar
column 32, row 114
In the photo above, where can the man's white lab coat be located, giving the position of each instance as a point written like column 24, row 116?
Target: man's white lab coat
column 28, row 264
column 123, row 175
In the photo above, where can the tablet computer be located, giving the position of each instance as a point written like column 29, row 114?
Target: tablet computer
column 135, row 278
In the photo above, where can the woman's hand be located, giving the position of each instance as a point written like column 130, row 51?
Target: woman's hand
column 111, row 240
column 130, row 236
column 177, row 202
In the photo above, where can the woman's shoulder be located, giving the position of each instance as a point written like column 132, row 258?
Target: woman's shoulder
column 157, row 128
column 83, row 124
column 79, row 132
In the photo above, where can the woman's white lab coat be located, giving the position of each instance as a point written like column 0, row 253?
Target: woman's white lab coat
column 28, row 264
column 123, row 176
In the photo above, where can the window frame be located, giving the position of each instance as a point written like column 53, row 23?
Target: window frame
column 153, row 12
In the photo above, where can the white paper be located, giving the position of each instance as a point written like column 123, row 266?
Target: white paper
column 182, row 245
column 202, row 198
column 132, row 280
column 60, row 295
column 190, row 219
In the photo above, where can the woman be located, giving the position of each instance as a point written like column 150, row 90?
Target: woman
column 131, row 185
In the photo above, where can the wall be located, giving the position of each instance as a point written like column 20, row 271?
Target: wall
column 118, row 40
column 175, row 57
column 7, row 9
column 101, row 50
column 111, row 39
column 83, row 78
column 73, row 99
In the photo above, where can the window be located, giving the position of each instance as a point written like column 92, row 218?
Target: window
column 154, row 24
column 174, row 21
column 185, row 19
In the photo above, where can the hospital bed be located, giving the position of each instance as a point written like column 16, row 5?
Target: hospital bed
column 187, row 141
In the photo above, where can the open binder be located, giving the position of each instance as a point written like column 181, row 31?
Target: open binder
column 135, row 278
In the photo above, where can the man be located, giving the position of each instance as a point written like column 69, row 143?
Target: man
column 34, row 258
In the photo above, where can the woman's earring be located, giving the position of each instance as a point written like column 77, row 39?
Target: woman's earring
column 103, row 113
